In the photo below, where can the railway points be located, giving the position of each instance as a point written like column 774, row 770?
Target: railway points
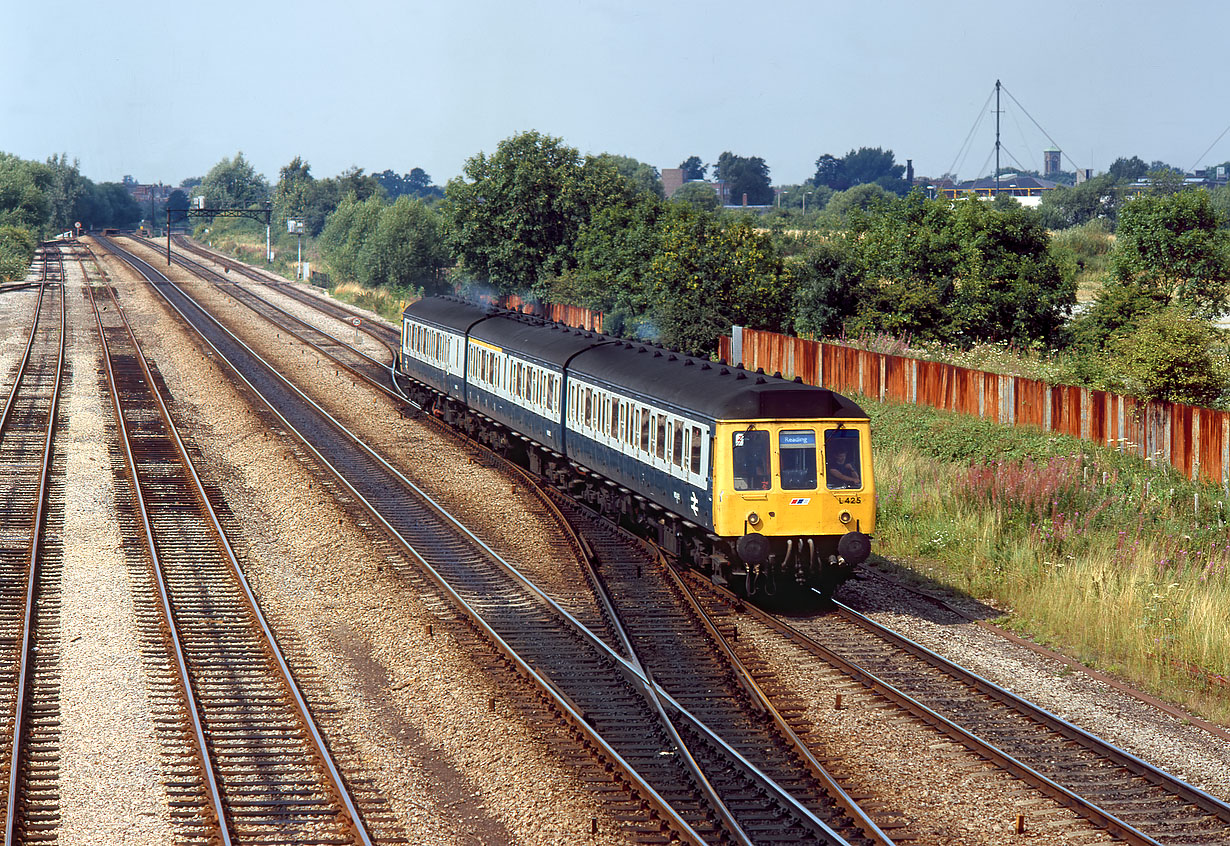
column 306, row 574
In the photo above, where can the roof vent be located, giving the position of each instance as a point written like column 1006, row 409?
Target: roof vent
column 672, row 357
column 760, row 370
column 740, row 375
column 641, row 350
column 705, row 365
column 657, row 354
column 760, row 380
column 723, row 372
column 777, row 374
column 798, row 380
column 687, row 362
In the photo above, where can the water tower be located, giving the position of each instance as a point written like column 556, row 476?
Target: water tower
column 1050, row 161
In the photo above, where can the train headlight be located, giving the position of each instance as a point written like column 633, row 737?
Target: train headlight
column 753, row 519
column 844, row 517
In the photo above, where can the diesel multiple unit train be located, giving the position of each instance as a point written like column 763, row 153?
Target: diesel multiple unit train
column 763, row 483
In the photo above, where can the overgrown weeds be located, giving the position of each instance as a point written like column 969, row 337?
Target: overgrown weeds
column 1121, row 562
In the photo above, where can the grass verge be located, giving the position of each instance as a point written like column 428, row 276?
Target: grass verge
column 1120, row 563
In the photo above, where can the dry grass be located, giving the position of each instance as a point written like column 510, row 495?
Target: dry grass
column 1126, row 579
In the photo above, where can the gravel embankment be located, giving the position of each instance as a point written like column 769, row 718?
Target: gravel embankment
column 111, row 783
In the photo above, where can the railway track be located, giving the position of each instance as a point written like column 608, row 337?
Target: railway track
column 31, row 490
column 389, row 338
column 260, row 769
column 1110, row 788
column 604, row 695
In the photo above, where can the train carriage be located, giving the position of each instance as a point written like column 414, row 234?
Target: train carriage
column 761, row 482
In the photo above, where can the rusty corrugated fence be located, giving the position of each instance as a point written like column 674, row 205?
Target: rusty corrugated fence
column 575, row 316
column 1196, row 441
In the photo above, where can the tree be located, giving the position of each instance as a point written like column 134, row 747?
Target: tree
column 234, row 184
column 1170, row 245
column 827, row 283
column 642, row 178
column 295, row 196
column 862, row 166
column 860, row 198
column 745, row 178
column 107, row 204
column 1117, row 309
column 693, row 169
column 406, row 250
column 1093, row 199
column 416, row 183
column 700, row 195
column 614, row 251
column 23, row 202
column 354, row 182
column 349, row 227
column 958, row 272
column 707, row 276
column 1167, row 357
column 1219, row 198
column 1165, row 180
column 516, row 213
column 1127, row 170
column 16, row 252
column 65, row 186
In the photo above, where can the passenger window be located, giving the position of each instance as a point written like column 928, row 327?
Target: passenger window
column 797, row 459
column 645, row 429
column 696, row 450
column 842, row 463
column 589, row 407
column 661, row 436
column 678, row 454
column 749, row 460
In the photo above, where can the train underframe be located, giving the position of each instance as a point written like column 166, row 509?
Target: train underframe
column 773, row 568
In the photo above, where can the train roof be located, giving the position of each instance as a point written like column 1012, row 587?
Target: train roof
column 711, row 389
column 449, row 312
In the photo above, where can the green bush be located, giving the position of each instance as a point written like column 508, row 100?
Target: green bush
column 16, row 251
column 1168, row 357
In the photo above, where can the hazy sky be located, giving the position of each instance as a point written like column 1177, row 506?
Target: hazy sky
column 163, row 91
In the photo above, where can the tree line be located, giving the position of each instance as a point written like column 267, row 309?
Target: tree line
column 40, row 199
column 537, row 218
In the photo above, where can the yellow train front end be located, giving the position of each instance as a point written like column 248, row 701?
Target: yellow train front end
column 796, row 500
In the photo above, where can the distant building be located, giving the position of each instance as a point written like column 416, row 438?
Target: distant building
column 143, row 193
column 672, row 180
column 1028, row 190
column 1051, row 161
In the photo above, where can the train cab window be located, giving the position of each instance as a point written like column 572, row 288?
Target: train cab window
column 696, row 450
column 749, row 460
column 842, row 465
column 797, row 459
